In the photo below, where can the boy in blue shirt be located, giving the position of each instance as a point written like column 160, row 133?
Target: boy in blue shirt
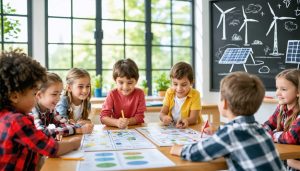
column 242, row 141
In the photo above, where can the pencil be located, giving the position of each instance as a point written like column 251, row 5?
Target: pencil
column 66, row 158
column 205, row 126
column 122, row 114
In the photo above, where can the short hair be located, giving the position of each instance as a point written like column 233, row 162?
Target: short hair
column 244, row 92
column 182, row 69
column 126, row 68
column 18, row 73
column 52, row 78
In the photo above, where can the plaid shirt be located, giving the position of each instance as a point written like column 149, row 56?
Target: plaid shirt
column 244, row 144
column 43, row 120
column 21, row 143
column 284, row 137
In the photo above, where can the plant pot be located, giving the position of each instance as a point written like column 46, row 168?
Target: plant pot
column 161, row 93
column 98, row 92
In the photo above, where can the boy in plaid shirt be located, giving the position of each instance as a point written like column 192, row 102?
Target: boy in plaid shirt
column 242, row 141
column 21, row 144
column 45, row 116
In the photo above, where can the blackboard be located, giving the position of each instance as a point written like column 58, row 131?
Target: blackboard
column 265, row 59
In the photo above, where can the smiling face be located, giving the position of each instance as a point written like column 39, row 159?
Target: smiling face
column 125, row 86
column 80, row 89
column 286, row 92
column 181, row 86
column 49, row 98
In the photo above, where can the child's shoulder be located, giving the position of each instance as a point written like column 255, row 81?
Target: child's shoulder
column 10, row 117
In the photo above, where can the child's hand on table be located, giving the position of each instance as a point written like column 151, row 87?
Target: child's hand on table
column 122, row 123
column 176, row 150
column 167, row 120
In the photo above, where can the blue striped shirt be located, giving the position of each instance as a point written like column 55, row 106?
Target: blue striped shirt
column 243, row 142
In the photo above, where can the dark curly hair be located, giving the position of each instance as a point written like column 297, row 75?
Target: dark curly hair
column 18, row 73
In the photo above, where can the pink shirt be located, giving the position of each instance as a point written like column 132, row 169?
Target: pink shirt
column 133, row 105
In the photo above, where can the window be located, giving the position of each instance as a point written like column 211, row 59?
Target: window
column 95, row 34
column 16, row 25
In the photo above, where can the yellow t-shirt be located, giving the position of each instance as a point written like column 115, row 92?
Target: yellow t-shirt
column 192, row 102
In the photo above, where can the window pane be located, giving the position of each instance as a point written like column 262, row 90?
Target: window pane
column 110, row 55
column 16, row 30
column 113, row 32
column 112, row 9
column 59, row 56
column 59, row 30
column 59, row 8
column 142, row 77
column 161, row 57
column 24, row 47
column 182, row 54
column 135, row 33
column 135, row 10
column 182, row 35
column 161, row 11
column 161, row 34
column 108, row 82
column 182, row 12
column 17, row 7
column 84, row 9
column 83, row 31
column 84, row 56
column 137, row 53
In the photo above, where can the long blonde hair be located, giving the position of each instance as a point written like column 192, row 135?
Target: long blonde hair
column 292, row 75
column 74, row 74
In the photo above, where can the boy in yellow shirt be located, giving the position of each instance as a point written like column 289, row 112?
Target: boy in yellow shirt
column 181, row 104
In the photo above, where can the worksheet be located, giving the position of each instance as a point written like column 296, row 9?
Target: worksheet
column 168, row 136
column 114, row 140
column 124, row 160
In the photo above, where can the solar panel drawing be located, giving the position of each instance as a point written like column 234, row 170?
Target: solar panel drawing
column 293, row 52
column 236, row 56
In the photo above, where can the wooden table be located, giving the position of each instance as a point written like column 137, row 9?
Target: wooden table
column 285, row 151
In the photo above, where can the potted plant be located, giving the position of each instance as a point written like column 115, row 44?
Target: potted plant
column 97, row 85
column 145, row 87
column 162, row 84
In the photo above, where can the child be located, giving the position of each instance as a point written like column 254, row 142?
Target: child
column 75, row 103
column 243, row 142
column 182, row 103
column 124, row 105
column 45, row 117
column 283, row 125
column 21, row 143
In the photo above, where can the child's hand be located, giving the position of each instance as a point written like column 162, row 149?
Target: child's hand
column 167, row 120
column 72, row 121
column 208, row 131
column 75, row 141
column 182, row 123
column 176, row 150
column 87, row 128
column 122, row 123
column 83, row 122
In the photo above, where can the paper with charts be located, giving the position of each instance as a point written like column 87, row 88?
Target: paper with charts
column 123, row 160
column 168, row 136
column 114, row 140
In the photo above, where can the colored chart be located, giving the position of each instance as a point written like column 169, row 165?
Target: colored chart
column 168, row 136
column 115, row 140
column 124, row 160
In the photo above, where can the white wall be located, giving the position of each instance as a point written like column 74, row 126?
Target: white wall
column 203, row 64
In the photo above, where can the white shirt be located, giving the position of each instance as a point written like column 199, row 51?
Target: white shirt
column 77, row 111
column 177, row 108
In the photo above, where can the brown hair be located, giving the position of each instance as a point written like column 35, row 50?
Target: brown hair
column 126, row 68
column 52, row 78
column 182, row 69
column 18, row 73
column 292, row 75
column 244, row 92
column 74, row 74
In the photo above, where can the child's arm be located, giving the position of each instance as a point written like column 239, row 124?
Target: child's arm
column 294, row 163
column 85, row 129
column 120, row 123
column 176, row 150
column 67, row 146
column 63, row 106
column 191, row 120
column 291, row 136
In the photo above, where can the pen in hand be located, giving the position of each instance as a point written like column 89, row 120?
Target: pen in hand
column 205, row 126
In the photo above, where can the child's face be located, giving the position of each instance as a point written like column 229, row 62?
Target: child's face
column 181, row 86
column 80, row 88
column 24, row 102
column 50, row 97
column 286, row 92
column 125, row 85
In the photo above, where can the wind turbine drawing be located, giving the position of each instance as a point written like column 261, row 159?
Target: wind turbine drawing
column 245, row 24
column 274, row 24
column 222, row 17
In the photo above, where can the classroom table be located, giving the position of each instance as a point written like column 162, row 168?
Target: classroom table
column 285, row 152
